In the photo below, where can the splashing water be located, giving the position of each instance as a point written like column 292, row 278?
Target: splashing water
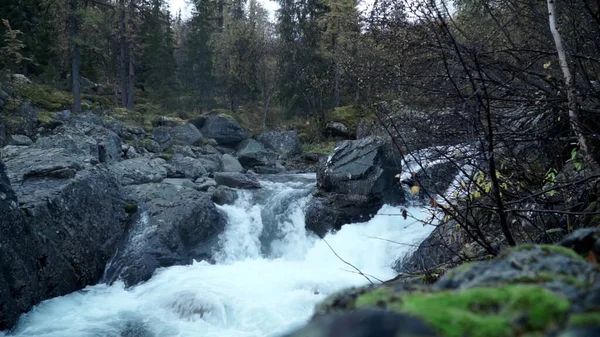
column 269, row 275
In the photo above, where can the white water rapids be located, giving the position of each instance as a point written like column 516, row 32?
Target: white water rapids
column 269, row 275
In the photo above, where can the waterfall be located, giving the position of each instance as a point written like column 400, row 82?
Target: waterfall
column 268, row 276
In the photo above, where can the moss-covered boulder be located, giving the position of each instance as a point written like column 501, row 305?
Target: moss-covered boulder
column 530, row 290
column 347, row 116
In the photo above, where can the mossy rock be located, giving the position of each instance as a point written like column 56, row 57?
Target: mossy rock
column 514, row 310
column 585, row 319
column 545, row 248
column 348, row 115
column 131, row 208
column 44, row 96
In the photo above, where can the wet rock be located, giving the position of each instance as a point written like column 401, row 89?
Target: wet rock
column 365, row 323
column 285, row 143
column 20, row 140
column 186, row 134
column 236, row 180
column 224, row 129
column 181, row 183
column 231, row 164
column 203, row 184
column 175, row 225
column 251, row 153
column 224, row 196
column 19, row 284
column 584, row 241
column 331, row 212
column 139, row 171
column 363, row 167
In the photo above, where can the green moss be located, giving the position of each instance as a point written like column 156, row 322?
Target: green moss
column 585, row 319
column 544, row 248
column 166, row 156
column 304, row 137
column 348, row 115
column 480, row 312
column 44, row 96
column 463, row 267
column 130, row 208
column 319, row 148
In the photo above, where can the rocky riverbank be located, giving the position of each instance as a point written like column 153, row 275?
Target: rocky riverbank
column 85, row 199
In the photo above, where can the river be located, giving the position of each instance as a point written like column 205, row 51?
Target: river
column 268, row 276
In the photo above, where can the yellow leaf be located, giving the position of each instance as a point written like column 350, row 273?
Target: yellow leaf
column 415, row 189
column 547, row 64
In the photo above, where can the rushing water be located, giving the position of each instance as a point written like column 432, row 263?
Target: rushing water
column 269, row 275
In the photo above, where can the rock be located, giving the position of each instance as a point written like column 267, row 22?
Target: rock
column 131, row 153
column 19, row 284
column 175, row 225
column 188, row 167
column 285, row 143
column 166, row 121
column 212, row 142
column 337, row 129
column 75, row 216
column 20, row 140
column 529, row 290
column 231, row 164
column 269, row 169
column 84, row 136
column 251, row 153
column 365, row 167
column 211, row 162
column 203, row 184
column 186, row 134
column 224, row 129
column 365, row 323
column 331, row 212
column 236, row 180
column 152, row 146
column 19, row 79
column 584, row 241
column 3, row 133
column 186, row 151
column 182, row 183
column 162, row 136
column 139, row 171
column 64, row 115
column 224, row 196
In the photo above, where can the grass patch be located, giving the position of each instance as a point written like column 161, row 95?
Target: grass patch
column 319, row 148
column 44, row 96
column 585, row 319
column 348, row 115
column 480, row 312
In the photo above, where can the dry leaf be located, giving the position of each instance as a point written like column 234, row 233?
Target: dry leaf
column 433, row 203
column 415, row 189
column 591, row 257
column 404, row 214
column 397, row 176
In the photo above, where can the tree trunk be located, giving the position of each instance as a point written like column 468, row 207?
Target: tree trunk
column 75, row 56
column 574, row 111
column 268, row 101
column 337, row 65
column 131, row 90
column 220, row 6
column 123, row 60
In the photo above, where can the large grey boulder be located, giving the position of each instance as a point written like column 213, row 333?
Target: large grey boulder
column 188, row 167
column 366, row 167
column 175, row 225
column 84, row 136
column 285, row 142
column 224, row 129
column 332, row 211
column 251, row 153
column 75, row 216
column 224, row 195
column 186, row 134
column 162, row 136
column 231, row 164
column 19, row 284
column 139, row 171
column 236, row 180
